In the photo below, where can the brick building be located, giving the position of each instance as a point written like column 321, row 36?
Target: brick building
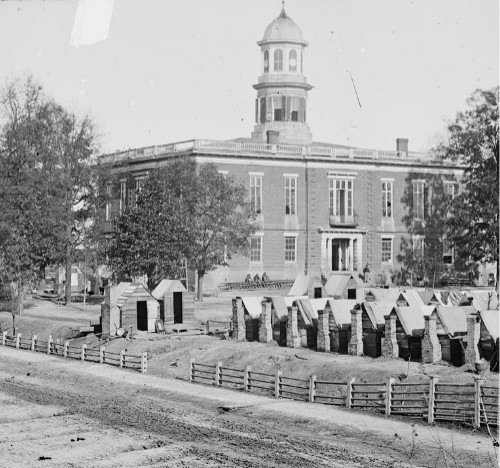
column 323, row 208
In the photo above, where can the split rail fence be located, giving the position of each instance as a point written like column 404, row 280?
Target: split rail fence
column 82, row 353
column 473, row 404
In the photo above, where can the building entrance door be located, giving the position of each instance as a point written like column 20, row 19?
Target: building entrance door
column 340, row 254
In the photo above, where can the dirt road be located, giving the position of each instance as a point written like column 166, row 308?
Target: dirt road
column 61, row 413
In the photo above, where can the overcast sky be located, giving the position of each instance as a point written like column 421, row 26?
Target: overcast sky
column 172, row 70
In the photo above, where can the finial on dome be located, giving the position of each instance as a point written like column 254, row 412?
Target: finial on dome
column 283, row 12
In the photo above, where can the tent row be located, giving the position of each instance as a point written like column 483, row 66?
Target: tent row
column 386, row 322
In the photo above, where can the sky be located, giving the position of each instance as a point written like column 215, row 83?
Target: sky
column 172, row 70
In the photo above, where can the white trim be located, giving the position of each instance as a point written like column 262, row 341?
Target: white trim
column 292, row 176
column 258, row 234
column 386, row 236
column 387, row 179
column 341, row 175
column 220, row 171
column 255, row 173
column 415, row 181
column 391, row 239
column 290, row 234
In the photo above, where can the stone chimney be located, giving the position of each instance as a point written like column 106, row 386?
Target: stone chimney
column 292, row 328
column 323, row 342
column 390, row 347
column 273, row 137
column 431, row 347
column 265, row 329
column 402, row 145
column 356, row 342
column 239, row 329
column 473, row 334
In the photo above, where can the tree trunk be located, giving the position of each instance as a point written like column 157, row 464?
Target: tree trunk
column 68, row 271
column 201, row 274
column 14, row 321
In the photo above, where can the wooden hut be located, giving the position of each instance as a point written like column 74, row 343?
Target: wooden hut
column 488, row 341
column 410, row 325
column 307, row 320
column 139, row 310
column 279, row 316
column 340, row 324
column 176, row 303
column 451, row 328
column 373, row 320
column 342, row 286
column 252, row 307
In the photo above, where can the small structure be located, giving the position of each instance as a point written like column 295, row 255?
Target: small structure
column 252, row 307
column 409, row 326
column 343, row 286
column 310, row 286
column 280, row 306
column 307, row 320
column 340, row 324
column 176, row 303
column 128, row 306
column 483, row 300
column 488, row 338
column 373, row 324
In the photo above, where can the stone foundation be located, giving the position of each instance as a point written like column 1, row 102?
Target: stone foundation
column 356, row 341
column 323, row 337
column 431, row 347
column 239, row 329
column 390, row 347
column 292, row 329
column 265, row 329
column 473, row 334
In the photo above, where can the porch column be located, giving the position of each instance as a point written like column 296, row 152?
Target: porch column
column 351, row 254
column 431, row 348
column 356, row 343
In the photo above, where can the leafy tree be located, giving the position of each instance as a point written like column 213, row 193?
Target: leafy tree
column 222, row 222
column 151, row 237
column 182, row 213
column 473, row 140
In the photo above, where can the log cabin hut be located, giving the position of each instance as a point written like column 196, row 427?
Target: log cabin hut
column 252, row 307
column 307, row 320
column 488, row 341
column 340, row 324
column 139, row 310
column 410, row 325
column 451, row 328
column 373, row 317
column 279, row 316
column 176, row 303
column 342, row 286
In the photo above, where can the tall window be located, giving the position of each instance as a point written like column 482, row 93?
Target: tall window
column 341, row 197
column 418, row 199
column 256, row 192
column 266, row 61
column 447, row 252
column 108, row 202
column 386, row 199
column 386, row 250
column 278, row 60
column 278, row 108
column 256, row 249
column 123, row 196
column 292, row 60
column 449, row 190
column 418, row 245
column 290, row 249
column 291, row 196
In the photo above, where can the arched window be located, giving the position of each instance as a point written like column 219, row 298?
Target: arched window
column 292, row 60
column 266, row 61
column 278, row 60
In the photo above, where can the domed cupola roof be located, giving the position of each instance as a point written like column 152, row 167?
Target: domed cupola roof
column 283, row 29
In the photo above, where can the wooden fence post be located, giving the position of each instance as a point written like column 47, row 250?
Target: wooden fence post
column 246, row 378
column 277, row 384
column 218, row 365
column 432, row 399
column 122, row 357
column 84, row 349
column 18, row 340
column 191, row 370
column 350, row 383
column 312, row 388
column 33, row 343
column 4, row 337
column 65, row 349
column 49, row 344
column 144, row 363
column 477, row 401
column 388, row 396
column 101, row 354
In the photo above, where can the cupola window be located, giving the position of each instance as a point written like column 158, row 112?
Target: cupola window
column 292, row 60
column 266, row 61
column 278, row 60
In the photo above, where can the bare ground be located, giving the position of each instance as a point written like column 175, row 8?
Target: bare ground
column 62, row 413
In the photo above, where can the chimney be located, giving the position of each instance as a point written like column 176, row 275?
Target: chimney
column 402, row 145
column 273, row 137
